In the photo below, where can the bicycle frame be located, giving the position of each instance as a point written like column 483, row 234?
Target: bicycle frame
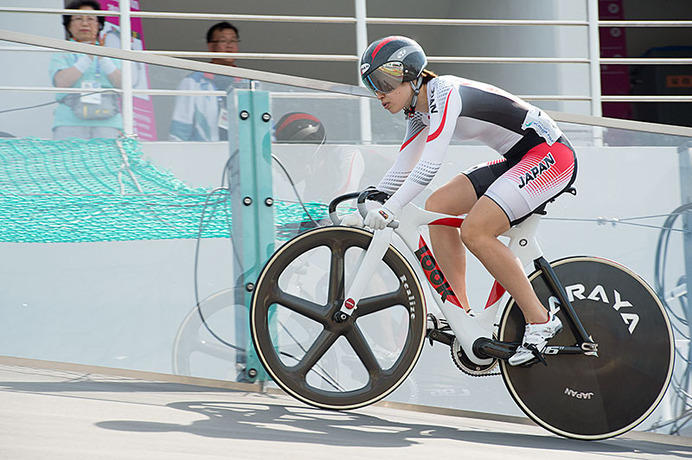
column 468, row 327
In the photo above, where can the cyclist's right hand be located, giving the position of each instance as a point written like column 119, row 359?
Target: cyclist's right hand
column 352, row 220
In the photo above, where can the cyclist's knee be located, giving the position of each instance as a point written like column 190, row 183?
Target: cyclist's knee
column 472, row 233
column 476, row 232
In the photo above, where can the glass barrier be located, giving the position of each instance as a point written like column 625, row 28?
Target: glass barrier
column 119, row 253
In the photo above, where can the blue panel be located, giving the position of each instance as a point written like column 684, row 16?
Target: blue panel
column 252, row 201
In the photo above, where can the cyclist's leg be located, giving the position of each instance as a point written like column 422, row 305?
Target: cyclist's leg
column 541, row 173
column 458, row 197
column 455, row 197
column 484, row 223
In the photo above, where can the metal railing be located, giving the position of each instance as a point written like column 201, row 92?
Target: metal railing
column 361, row 21
column 335, row 89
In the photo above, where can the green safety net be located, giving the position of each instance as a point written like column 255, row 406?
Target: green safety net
column 103, row 190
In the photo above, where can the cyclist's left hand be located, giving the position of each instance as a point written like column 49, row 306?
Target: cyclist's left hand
column 379, row 218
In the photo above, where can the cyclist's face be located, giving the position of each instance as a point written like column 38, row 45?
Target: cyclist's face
column 398, row 99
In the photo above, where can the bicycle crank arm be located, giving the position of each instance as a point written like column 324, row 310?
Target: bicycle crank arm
column 486, row 348
column 564, row 350
column 436, row 335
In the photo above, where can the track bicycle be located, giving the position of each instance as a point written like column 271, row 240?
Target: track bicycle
column 601, row 376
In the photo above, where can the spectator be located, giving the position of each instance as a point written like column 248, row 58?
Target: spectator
column 205, row 118
column 89, row 114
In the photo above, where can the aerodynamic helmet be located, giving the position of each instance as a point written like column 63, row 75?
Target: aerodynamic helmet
column 389, row 61
column 300, row 127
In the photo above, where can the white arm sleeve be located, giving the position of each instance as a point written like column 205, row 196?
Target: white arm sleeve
column 409, row 154
column 445, row 107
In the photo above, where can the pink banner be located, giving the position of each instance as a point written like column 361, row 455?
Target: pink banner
column 145, row 124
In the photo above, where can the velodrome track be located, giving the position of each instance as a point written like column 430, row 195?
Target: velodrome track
column 64, row 411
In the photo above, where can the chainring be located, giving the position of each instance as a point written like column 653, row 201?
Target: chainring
column 469, row 367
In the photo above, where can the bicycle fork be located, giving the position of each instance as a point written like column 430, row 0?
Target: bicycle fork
column 366, row 270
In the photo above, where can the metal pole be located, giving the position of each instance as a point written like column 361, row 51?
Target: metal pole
column 595, row 68
column 126, row 44
column 595, row 58
column 361, row 44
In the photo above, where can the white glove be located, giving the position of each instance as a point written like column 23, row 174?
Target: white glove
column 83, row 63
column 107, row 65
column 352, row 220
column 378, row 218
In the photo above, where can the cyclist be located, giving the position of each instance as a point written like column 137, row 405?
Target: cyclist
column 537, row 164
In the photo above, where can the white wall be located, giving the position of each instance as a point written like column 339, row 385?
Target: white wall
column 123, row 304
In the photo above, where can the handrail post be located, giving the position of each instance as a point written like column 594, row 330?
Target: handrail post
column 361, row 44
column 126, row 44
column 595, row 67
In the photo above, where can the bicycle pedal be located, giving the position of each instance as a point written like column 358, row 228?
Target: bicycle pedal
column 433, row 322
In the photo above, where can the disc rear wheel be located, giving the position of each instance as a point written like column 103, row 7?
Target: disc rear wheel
column 595, row 397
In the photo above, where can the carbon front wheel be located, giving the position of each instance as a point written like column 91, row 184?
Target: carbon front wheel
column 595, row 397
column 312, row 357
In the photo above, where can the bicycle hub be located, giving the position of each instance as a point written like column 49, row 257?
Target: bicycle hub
column 340, row 317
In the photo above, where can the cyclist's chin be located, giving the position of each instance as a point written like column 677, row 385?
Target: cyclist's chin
column 393, row 108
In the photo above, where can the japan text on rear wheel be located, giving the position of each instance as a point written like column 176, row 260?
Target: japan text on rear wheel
column 595, row 397
column 323, row 362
